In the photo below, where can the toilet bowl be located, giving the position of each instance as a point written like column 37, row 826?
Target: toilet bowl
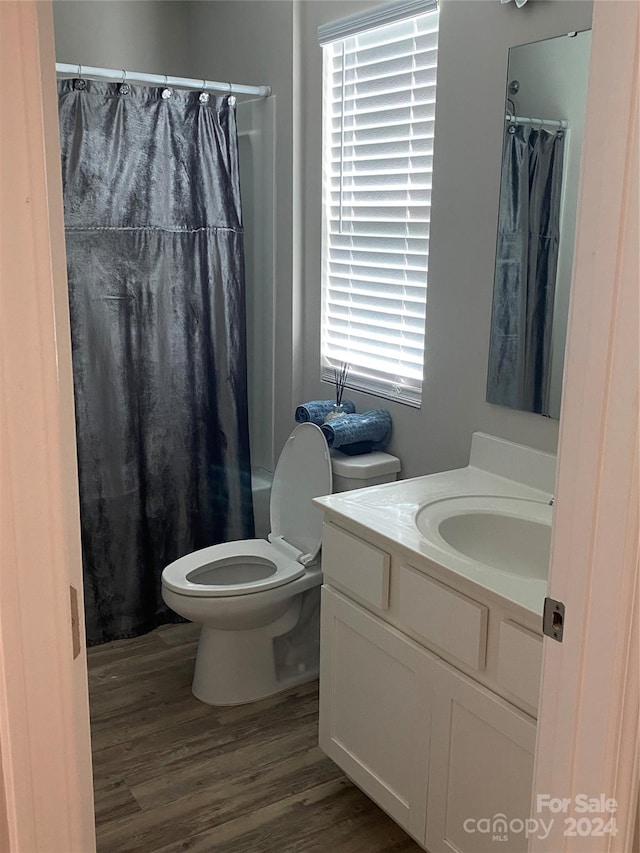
column 248, row 595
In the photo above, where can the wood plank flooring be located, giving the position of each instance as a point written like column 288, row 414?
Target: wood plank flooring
column 173, row 774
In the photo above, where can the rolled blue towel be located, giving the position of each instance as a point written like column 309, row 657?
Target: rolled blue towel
column 316, row 411
column 373, row 426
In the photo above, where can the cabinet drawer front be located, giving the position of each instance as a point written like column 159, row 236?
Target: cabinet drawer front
column 355, row 565
column 445, row 618
column 519, row 662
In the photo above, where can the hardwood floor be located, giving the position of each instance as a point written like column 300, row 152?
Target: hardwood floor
column 173, row 774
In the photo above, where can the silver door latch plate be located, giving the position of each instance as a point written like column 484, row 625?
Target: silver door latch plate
column 553, row 619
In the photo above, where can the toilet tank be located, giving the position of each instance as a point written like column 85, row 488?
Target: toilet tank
column 367, row 469
column 349, row 472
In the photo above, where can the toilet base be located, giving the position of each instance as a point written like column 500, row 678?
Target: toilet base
column 223, row 698
column 236, row 667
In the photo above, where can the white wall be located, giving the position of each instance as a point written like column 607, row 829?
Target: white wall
column 141, row 35
column 475, row 37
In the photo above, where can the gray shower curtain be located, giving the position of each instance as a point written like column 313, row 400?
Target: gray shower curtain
column 156, row 286
column 526, row 263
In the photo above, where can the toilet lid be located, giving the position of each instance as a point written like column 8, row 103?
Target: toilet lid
column 303, row 472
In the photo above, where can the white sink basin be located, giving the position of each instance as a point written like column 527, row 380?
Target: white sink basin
column 512, row 535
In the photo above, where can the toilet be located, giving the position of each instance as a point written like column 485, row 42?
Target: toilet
column 258, row 599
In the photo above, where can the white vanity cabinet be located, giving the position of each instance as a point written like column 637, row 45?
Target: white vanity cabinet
column 432, row 746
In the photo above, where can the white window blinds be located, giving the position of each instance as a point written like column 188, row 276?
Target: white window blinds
column 378, row 125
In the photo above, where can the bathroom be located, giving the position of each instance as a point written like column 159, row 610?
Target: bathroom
column 276, row 43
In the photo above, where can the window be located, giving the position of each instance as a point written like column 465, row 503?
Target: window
column 378, row 125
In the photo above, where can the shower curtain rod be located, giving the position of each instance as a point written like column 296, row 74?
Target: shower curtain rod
column 122, row 76
column 543, row 122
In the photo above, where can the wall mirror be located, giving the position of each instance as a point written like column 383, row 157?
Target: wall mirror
column 542, row 146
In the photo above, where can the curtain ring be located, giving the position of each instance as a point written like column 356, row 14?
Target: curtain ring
column 231, row 98
column 203, row 97
column 166, row 92
column 124, row 87
column 79, row 84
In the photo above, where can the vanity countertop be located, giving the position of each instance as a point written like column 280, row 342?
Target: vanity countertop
column 390, row 510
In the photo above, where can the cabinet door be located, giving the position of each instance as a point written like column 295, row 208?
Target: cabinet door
column 481, row 769
column 375, row 701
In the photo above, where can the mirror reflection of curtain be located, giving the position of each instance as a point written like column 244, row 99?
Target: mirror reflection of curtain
column 526, row 262
column 156, row 287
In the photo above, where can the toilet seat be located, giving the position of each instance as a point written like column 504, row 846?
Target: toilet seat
column 195, row 573
column 303, row 472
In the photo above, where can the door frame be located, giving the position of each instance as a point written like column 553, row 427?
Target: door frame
column 46, row 793
column 588, row 725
